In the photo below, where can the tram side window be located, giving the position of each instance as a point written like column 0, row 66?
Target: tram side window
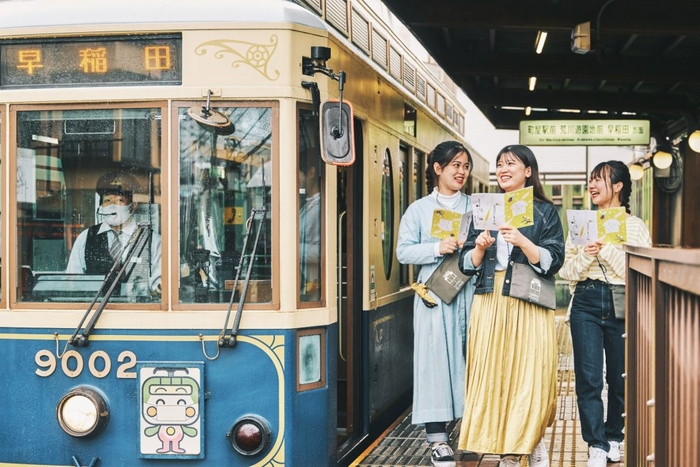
column 2, row 138
column 310, row 208
column 88, row 194
column 225, row 199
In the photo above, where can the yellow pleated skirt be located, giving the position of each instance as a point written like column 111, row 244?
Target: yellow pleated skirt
column 511, row 374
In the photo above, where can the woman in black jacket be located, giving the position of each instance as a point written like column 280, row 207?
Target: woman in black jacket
column 512, row 357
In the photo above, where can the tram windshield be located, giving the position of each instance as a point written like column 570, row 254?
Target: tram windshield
column 87, row 181
column 224, row 180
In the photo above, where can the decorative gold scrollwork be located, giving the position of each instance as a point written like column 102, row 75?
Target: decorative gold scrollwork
column 257, row 56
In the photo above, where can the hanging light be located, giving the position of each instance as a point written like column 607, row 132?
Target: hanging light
column 539, row 42
column 531, row 83
column 636, row 171
column 694, row 141
column 662, row 159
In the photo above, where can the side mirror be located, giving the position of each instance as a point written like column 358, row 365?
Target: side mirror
column 337, row 133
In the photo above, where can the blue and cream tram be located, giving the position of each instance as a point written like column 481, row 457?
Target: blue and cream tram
column 199, row 207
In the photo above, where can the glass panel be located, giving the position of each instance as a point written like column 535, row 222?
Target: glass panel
column 387, row 213
column 418, row 188
column 224, row 180
column 2, row 138
column 88, row 189
column 310, row 208
column 403, row 202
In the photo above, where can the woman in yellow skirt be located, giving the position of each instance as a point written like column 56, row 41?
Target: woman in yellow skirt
column 511, row 370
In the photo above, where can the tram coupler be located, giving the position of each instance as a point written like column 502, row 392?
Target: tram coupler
column 228, row 341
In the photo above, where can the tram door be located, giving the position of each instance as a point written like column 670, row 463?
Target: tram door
column 350, row 190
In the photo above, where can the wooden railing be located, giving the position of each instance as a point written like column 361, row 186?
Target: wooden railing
column 662, row 400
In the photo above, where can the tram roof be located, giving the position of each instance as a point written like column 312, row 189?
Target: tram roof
column 48, row 14
column 641, row 59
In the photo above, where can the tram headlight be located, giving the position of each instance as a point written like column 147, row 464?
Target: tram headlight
column 249, row 435
column 82, row 412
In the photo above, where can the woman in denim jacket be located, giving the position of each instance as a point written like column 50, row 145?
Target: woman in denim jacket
column 512, row 345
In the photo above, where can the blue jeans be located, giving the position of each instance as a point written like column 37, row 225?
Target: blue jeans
column 596, row 333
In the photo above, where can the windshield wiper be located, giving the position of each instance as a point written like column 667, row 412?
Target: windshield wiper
column 112, row 279
column 230, row 340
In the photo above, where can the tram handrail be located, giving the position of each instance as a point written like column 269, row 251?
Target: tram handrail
column 341, row 238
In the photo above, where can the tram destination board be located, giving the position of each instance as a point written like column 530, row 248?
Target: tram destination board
column 95, row 61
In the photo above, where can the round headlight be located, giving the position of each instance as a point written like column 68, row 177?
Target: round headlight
column 249, row 435
column 82, row 412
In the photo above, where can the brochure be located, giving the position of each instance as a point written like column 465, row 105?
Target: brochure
column 492, row 210
column 607, row 225
column 448, row 223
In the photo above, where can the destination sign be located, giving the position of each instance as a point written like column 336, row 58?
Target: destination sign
column 102, row 61
column 584, row 132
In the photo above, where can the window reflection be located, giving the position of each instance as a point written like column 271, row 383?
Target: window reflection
column 222, row 180
column 310, row 209
column 387, row 213
column 88, row 188
column 2, row 138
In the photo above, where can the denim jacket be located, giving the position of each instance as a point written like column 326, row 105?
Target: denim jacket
column 546, row 232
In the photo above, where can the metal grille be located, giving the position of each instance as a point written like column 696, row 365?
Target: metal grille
column 360, row 31
column 420, row 87
column 409, row 76
column 431, row 96
column 337, row 15
column 394, row 63
column 378, row 48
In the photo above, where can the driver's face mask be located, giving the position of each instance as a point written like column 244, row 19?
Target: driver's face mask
column 115, row 215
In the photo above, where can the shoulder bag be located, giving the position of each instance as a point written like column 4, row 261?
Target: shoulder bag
column 447, row 280
column 526, row 284
column 618, row 294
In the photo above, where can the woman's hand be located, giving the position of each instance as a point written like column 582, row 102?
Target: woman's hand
column 593, row 248
column 448, row 246
column 484, row 240
column 512, row 235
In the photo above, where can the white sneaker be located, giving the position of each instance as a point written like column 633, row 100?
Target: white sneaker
column 614, row 452
column 539, row 456
column 596, row 457
column 442, row 455
column 509, row 461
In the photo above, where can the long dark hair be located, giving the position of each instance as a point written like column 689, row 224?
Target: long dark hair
column 615, row 172
column 527, row 157
column 443, row 155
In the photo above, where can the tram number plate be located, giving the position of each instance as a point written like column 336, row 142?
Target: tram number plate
column 99, row 364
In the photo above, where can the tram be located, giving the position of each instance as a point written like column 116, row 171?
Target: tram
column 258, row 155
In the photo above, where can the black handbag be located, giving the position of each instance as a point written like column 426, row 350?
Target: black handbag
column 447, row 280
column 526, row 284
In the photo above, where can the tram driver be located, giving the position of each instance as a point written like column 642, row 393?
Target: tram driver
column 98, row 248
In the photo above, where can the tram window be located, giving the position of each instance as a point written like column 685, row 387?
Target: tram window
column 403, row 202
column 2, row 138
column 310, row 208
column 88, row 188
column 387, row 198
column 225, row 195
column 419, row 165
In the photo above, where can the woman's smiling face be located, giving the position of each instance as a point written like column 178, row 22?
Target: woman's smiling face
column 453, row 176
column 511, row 172
column 603, row 193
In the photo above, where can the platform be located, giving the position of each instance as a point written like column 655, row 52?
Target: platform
column 404, row 444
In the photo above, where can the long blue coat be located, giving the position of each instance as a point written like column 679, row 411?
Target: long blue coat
column 439, row 333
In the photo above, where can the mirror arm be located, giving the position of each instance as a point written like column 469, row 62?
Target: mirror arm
column 315, row 94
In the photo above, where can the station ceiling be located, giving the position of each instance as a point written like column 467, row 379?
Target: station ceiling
column 644, row 57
